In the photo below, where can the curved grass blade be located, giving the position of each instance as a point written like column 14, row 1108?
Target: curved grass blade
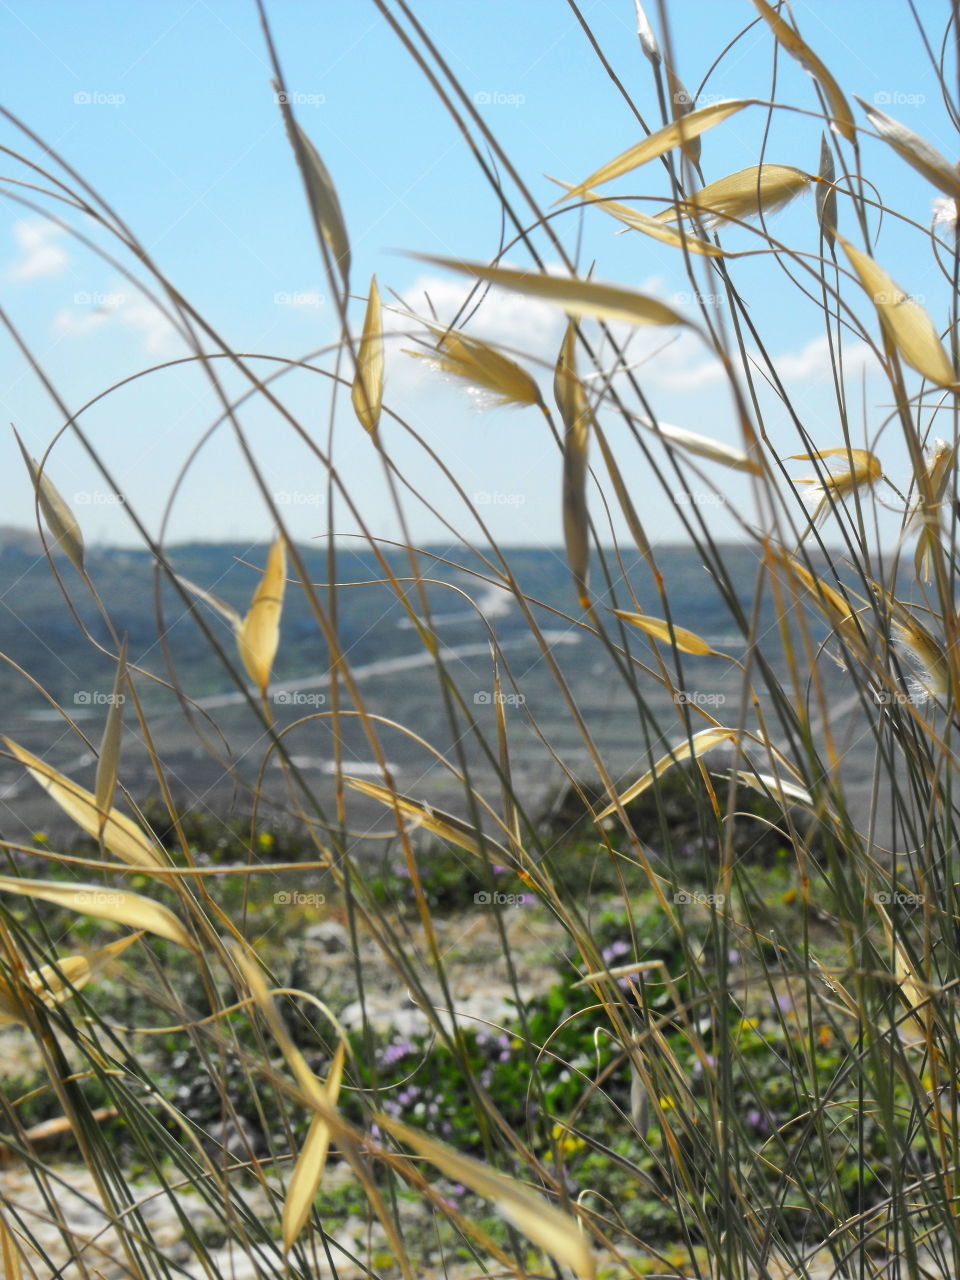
column 367, row 394
column 313, row 1090
column 678, row 637
column 54, row 983
column 226, row 611
column 578, row 297
column 695, row 746
column 798, row 48
column 917, row 152
column 640, row 539
column 769, row 785
column 648, row 41
column 482, row 366
column 837, row 611
column 308, row 1171
column 9, row 1253
column 638, row 221
column 108, row 761
column 681, row 104
column 59, row 519
column 556, row 1233
column 259, row 635
column 745, row 194
column 680, row 131
column 321, row 193
column 703, row 446
column 939, row 469
column 826, row 194
column 572, row 403
column 905, row 323
column 120, row 835
column 436, row 821
column 858, row 469
column 120, row 905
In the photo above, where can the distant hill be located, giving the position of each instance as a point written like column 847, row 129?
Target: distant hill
column 16, row 541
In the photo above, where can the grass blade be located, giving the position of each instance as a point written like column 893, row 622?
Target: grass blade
column 60, row 520
column 703, row 446
column 637, row 221
column 826, row 195
column 917, row 152
column 700, row 742
column 572, row 403
column 48, row 985
column 436, row 821
column 308, row 1171
column 680, row 131
column 681, row 104
column 677, row 637
column 9, row 1253
column 578, row 297
column 745, row 194
column 367, row 394
column 226, row 611
column 321, row 193
column 120, row 905
column 905, row 322
column 799, row 49
column 259, row 635
column 483, row 366
column 108, row 762
column 120, row 835
column 553, row 1231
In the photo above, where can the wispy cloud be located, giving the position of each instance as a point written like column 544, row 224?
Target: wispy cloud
column 40, row 254
column 92, row 311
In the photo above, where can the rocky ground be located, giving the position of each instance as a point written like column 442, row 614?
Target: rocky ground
column 58, row 1215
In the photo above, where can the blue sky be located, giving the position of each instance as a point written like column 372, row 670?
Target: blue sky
column 165, row 107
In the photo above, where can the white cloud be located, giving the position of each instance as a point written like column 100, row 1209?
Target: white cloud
column 143, row 317
column 813, row 360
column 680, row 370
column 518, row 325
column 663, row 358
column 40, row 255
column 91, row 311
column 504, row 317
